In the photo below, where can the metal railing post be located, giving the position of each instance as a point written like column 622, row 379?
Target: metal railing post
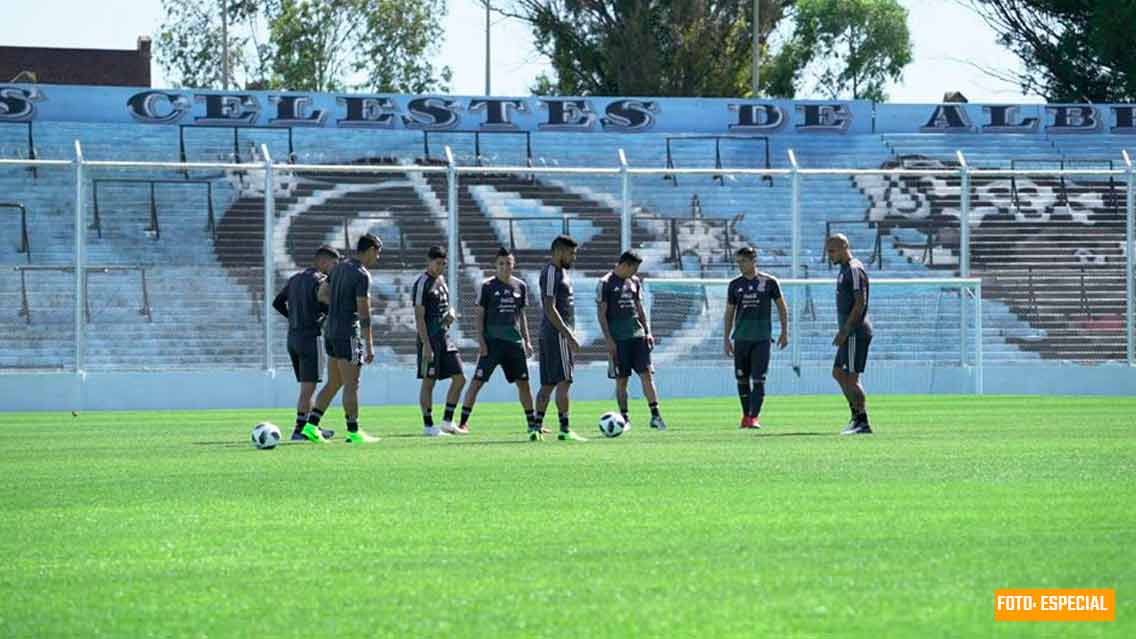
column 452, row 210
column 964, row 248
column 794, row 310
column 624, row 204
column 80, row 263
column 269, row 268
column 1130, row 263
column 979, row 356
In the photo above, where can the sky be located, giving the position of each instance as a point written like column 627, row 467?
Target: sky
column 948, row 39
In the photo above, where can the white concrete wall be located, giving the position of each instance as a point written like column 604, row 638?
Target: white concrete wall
column 258, row 389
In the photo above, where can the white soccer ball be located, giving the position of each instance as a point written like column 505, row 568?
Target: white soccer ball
column 612, row 424
column 265, row 435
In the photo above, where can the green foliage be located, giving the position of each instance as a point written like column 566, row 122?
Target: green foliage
column 846, row 48
column 1072, row 50
column 170, row 524
column 306, row 45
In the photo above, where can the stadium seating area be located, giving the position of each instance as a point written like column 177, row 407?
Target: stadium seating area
column 174, row 277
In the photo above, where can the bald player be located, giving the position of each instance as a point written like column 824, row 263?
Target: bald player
column 855, row 333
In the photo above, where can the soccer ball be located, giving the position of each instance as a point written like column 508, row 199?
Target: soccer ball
column 265, row 435
column 611, row 424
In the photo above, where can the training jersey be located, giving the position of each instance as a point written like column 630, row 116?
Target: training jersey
column 348, row 281
column 853, row 277
column 299, row 302
column 622, row 297
column 752, row 300
column 432, row 294
column 555, row 284
column 504, row 304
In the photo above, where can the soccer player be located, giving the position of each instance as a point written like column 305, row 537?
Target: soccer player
column 557, row 341
column 438, row 356
column 300, row 302
column 855, row 334
column 502, row 336
column 749, row 301
column 348, row 339
column 619, row 306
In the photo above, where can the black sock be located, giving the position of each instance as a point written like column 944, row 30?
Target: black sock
column 564, row 423
column 862, row 417
column 428, row 418
column 743, row 395
column 530, row 417
column 466, row 411
column 448, row 416
column 538, row 418
column 654, row 406
column 852, row 409
column 301, row 421
column 757, row 397
column 626, row 415
column 315, row 416
column 352, row 425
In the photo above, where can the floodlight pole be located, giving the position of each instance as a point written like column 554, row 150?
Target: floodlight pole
column 80, row 264
column 1130, row 262
column 794, row 309
column 269, row 267
column 964, row 248
column 624, row 204
column 225, row 44
column 452, row 210
column 756, row 46
column 487, row 25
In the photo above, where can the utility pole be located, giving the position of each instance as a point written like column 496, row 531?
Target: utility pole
column 225, row 45
column 756, row 45
column 487, row 86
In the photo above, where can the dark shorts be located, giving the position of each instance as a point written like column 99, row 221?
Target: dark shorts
column 751, row 359
column 557, row 362
column 307, row 358
column 852, row 357
column 510, row 356
column 348, row 348
column 447, row 361
column 631, row 355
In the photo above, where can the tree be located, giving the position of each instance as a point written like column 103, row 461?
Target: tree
column 305, row 45
column 1072, row 50
column 846, row 48
column 646, row 47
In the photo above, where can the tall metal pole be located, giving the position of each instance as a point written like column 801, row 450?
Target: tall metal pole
column 488, row 91
column 225, row 44
column 269, row 264
column 980, row 356
column 1130, row 263
column 624, row 204
column 964, row 248
column 756, row 45
column 794, row 310
column 80, row 264
column 452, row 231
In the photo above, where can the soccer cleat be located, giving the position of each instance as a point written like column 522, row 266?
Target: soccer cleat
column 298, row 436
column 749, row 423
column 627, row 426
column 327, row 433
column 861, row 428
column 313, row 433
column 450, row 429
column 570, row 436
column 658, row 424
column 359, row 437
column 536, row 436
column 434, row 431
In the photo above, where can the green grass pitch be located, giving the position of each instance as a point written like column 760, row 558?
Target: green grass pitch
column 170, row 524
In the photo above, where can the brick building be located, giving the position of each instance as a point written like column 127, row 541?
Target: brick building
column 48, row 65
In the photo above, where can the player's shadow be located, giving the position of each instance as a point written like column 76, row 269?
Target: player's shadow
column 801, row 434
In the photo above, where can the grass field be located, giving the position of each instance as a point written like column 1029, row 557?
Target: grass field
column 172, row 525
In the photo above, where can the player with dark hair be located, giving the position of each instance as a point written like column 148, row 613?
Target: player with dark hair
column 348, row 338
column 557, row 341
column 438, row 356
column 303, row 300
column 502, row 336
column 619, row 306
column 749, row 301
column 855, row 334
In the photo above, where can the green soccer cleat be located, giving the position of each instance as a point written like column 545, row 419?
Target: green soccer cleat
column 313, row 433
column 359, row 437
column 536, row 436
column 570, row 436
